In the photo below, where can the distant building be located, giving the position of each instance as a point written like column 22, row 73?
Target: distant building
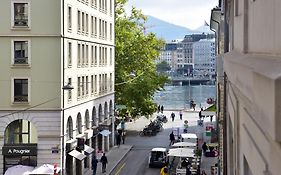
column 169, row 54
column 204, row 58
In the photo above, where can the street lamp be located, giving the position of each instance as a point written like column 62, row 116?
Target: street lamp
column 68, row 87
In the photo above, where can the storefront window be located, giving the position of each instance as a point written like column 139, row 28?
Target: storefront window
column 20, row 132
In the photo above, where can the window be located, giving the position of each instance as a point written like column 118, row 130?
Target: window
column 110, row 31
column 20, row 90
column 78, row 87
column 95, row 56
column 83, row 54
column 69, row 54
column 87, row 54
column 105, row 55
column 69, row 128
column 83, row 22
column 92, row 26
column 79, row 21
column 92, row 55
column 111, row 82
column 69, row 91
column 83, row 86
column 96, row 84
column 20, row 132
column 20, row 52
column 92, row 84
column 87, row 23
column 110, row 56
column 79, row 54
column 69, row 14
column 87, row 89
column 21, row 17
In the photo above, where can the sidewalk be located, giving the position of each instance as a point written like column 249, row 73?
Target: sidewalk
column 114, row 156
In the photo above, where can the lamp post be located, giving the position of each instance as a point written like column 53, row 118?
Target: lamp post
column 68, row 87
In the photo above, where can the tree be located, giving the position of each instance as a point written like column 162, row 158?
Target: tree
column 163, row 67
column 136, row 78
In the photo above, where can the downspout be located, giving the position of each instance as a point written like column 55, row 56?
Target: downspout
column 62, row 132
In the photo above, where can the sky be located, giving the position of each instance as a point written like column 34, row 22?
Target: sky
column 187, row 13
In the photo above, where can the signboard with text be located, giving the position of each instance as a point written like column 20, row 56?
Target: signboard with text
column 28, row 150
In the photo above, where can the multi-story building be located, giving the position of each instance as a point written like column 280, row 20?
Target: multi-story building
column 169, row 55
column 252, row 83
column 185, row 53
column 46, row 45
column 204, row 58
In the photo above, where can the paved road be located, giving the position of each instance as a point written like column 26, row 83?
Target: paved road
column 136, row 161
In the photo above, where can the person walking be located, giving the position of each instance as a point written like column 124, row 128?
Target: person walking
column 123, row 137
column 94, row 164
column 118, row 139
column 103, row 161
column 180, row 114
column 162, row 109
column 173, row 116
column 158, row 109
column 204, row 147
column 172, row 138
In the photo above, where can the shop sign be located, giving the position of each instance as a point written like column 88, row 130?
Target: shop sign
column 19, row 150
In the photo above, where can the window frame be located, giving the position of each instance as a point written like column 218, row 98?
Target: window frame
column 13, row 52
column 13, row 26
column 13, row 90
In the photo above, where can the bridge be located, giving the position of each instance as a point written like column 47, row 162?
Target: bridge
column 184, row 80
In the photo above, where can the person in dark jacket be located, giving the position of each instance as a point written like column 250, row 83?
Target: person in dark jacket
column 94, row 164
column 172, row 139
column 103, row 161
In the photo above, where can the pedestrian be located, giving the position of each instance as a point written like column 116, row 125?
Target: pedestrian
column 162, row 109
column 118, row 139
column 172, row 138
column 164, row 170
column 173, row 116
column 123, row 137
column 103, row 161
column 158, row 108
column 180, row 114
column 211, row 118
column 204, row 147
column 94, row 164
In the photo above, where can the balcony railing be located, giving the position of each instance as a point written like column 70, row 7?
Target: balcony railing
column 20, row 98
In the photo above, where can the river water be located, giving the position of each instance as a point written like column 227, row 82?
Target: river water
column 178, row 97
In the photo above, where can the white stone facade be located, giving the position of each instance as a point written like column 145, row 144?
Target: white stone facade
column 204, row 58
column 253, row 83
column 44, row 46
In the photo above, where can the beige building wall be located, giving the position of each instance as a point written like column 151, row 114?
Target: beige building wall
column 48, row 71
column 253, row 69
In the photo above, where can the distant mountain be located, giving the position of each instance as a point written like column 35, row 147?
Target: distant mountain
column 166, row 30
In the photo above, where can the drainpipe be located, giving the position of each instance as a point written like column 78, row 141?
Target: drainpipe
column 62, row 133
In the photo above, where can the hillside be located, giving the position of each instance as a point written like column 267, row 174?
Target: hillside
column 166, row 30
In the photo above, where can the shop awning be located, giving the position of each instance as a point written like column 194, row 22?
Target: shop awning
column 181, row 152
column 44, row 169
column 105, row 132
column 77, row 155
column 184, row 144
column 88, row 149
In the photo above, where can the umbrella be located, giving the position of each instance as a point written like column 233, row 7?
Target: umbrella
column 184, row 144
column 18, row 170
column 105, row 132
column 44, row 169
column 181, row 152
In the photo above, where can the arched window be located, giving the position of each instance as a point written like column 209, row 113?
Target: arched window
column 105, row 111
column 69, row 128
column 87, row 120
column 20, row 132
column 100, row 113
column 94, row 115
column 79, row 124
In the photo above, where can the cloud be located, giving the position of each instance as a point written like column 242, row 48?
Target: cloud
column 188, row 13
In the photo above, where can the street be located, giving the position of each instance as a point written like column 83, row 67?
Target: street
column 136, row 161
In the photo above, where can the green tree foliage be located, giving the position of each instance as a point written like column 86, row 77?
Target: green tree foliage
column 163, row 67
column 136, row 78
